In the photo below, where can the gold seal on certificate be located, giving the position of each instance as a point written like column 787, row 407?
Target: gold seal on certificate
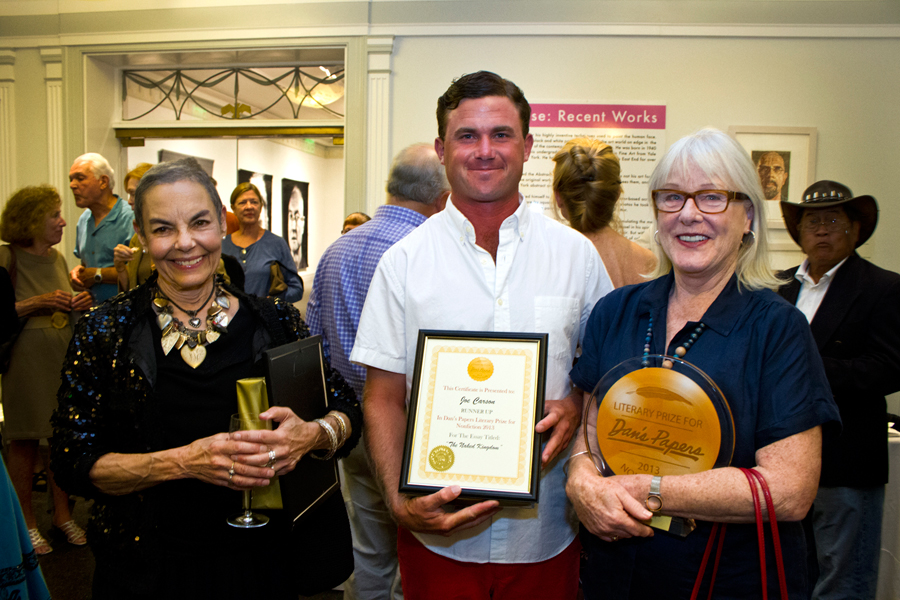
column 658, row 415
column 475, row 400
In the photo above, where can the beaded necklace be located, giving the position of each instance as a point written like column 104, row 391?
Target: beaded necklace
column 680, row 351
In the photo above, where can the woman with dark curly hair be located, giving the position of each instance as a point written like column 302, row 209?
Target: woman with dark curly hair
column 586, row 188
column 32, row 224
column 147, row 394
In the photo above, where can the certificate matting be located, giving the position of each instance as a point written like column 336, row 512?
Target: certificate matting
column 475, row 399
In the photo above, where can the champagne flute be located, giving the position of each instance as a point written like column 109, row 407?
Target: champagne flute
column 247, row 519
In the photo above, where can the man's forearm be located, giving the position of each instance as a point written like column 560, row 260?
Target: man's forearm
column 384, row 409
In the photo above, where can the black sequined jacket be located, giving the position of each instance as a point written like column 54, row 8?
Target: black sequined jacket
column 106, row 404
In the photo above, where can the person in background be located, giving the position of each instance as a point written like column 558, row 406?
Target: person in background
column 105, row 224
column 586, row 187
column 485, row 263
column 132, row 264
column 416, row 189
column 144, row 408
column 21, row 574
column 853, row 309
column 713, row 304
column 265, row 257
column 32, row 224
column 353, row 221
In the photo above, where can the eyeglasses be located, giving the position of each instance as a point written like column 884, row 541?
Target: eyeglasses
column 812, row 224
column 707, row 201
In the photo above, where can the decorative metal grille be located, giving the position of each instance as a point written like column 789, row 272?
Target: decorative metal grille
column 239, row 93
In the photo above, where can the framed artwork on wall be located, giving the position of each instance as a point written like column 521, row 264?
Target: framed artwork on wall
column 785, row 159
column 264, row 183
column 295, row 207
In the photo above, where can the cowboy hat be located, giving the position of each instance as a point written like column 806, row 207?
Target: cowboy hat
column 825, row 194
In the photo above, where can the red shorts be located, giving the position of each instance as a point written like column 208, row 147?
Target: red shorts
column 429, row 576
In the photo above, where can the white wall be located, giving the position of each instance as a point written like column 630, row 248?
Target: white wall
column 846, row 88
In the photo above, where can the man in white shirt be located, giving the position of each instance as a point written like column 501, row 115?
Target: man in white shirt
column 853, row 308
column 486, row 263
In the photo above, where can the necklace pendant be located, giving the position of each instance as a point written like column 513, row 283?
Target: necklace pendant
column 163, row 320
column 160, row 303
column 168, row 341
column 211, row 336
column 221, row 320
column 195, row 322
column 194, row 357
column 223, row 301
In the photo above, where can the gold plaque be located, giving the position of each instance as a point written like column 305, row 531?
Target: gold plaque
column 658, row 421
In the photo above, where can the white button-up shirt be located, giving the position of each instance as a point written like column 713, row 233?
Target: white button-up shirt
column 812, row 293
column 546, row 279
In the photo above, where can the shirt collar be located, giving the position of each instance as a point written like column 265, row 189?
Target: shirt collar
column 721, row 316
column 399, row 213
column 520, row 220
column 802, row 274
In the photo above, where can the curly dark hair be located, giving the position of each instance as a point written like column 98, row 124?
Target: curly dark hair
column 480, row 85
column 25, row 212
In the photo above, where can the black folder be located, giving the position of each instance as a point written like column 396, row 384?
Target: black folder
column 295, row 378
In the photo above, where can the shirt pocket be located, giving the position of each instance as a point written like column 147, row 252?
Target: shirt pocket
column 558, row 316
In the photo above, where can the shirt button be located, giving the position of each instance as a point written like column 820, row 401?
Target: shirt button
column 500, row 302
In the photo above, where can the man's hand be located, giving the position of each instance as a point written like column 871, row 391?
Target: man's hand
column 80, row 279
column 564, row 417
column 426, row 514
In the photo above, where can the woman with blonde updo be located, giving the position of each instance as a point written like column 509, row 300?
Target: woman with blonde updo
column 586, row 187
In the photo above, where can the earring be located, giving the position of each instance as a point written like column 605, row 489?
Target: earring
column 744, row 238
column 656, row 237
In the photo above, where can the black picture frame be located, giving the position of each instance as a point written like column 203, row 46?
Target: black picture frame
column 532, row 341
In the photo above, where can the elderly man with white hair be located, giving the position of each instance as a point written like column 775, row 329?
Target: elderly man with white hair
column 106, row 223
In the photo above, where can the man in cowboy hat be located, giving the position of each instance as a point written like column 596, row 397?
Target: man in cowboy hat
column 854, row 311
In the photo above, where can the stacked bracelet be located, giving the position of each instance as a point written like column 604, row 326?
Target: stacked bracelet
column 332, row 437
column 342, row 425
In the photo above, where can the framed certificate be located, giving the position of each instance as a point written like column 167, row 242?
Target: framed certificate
column 475, row 399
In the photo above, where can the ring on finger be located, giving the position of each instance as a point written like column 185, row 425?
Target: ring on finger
column 615, row 538
column 231, row 471
column 271, row 459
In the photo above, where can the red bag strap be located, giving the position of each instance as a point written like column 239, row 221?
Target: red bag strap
column 753, row 477
column 773, row 523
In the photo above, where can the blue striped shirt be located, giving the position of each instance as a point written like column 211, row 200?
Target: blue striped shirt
column 342, row 282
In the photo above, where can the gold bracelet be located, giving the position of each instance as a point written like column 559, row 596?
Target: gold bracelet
column 332, row 437
column 341, row 424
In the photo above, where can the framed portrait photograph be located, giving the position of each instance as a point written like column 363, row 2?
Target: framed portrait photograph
column 476, row 397
column 295, row 209
column 785, row 159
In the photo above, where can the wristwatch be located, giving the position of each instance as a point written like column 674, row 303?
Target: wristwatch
column 654, row 499
column 98, row 276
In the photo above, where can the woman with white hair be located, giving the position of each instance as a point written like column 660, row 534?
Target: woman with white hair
column 713, row 304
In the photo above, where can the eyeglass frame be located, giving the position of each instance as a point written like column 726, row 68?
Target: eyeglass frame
column 730, row 197
column 812, row 229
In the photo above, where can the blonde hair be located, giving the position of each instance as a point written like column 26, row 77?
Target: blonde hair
column 720, row 157
column 587, row 179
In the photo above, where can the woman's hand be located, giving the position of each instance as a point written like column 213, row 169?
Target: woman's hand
column 82, row 301
column 604, row 506
column 45, row 304
column 290, row 442
column 208, row 459
column 121, row 255
column 211, row 459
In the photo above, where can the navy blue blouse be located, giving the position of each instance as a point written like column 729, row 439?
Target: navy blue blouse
column 759, row 350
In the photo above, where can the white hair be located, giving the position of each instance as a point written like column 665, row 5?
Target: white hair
column 99, row 167
column 719, row 156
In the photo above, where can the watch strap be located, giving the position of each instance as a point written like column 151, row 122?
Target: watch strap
column 654, row 498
